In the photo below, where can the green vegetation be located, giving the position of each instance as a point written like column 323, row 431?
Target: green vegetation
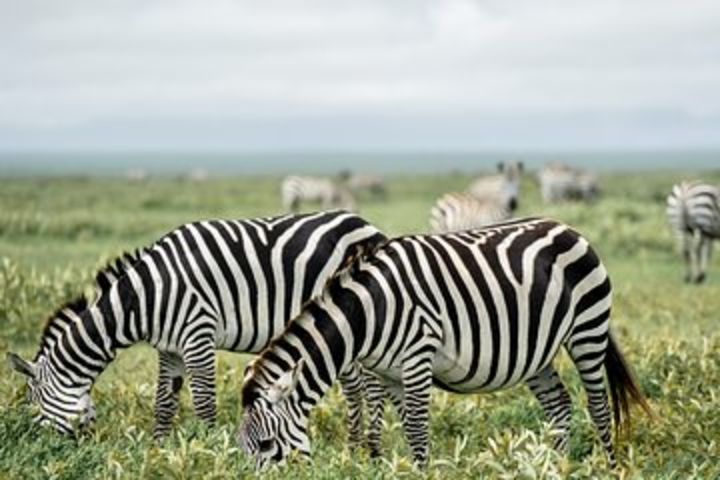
column 54, row 234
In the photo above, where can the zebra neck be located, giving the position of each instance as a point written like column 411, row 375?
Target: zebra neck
column 323, row 342
column 89, row 344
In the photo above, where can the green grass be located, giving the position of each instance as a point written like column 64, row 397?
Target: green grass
column 54, row 234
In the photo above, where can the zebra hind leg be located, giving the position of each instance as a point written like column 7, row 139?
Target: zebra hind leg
column 555, row 401
column 588, row 355
column 687, row 240
column 167, row 398
column 696, row 273
column 200, row 364
column 353, row 386
column 705, row 252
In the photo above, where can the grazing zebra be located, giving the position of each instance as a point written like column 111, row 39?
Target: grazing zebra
column 359, row 183
column 504, row 187
column 298, row 190
column 469, row 312
column 693, row 210
column 461, row 211
column 229, row 285
column 560, row 182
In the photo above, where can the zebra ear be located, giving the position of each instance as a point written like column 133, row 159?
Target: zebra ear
column 249, row 368
column 500, row 167
column 286, row 384
column 521, row 167
column 20, row 365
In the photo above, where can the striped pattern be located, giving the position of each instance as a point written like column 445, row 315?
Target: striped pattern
column 366, row 183
column 229, row 285
column 296, row 191
column 693, row 211
column 503, row 188
column 469, row 312
column 560, row 182
column 460, row 211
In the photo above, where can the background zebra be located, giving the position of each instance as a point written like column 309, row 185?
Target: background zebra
column 560, row 182
column 504, row 187
column 360, row 183
column 469, row 312
column 693, row 210
column 461, row 211
column 296, row 190
column 230, row 285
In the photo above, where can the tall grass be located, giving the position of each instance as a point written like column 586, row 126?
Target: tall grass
column 54, row 234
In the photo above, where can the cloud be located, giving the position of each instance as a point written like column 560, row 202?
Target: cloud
column 78, row 68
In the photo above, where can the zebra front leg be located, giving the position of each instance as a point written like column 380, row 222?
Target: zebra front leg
column 555, row 401
column 353, row 387
column 375, row 399
column 199, row 359
column 167, row 398
column 417, row 382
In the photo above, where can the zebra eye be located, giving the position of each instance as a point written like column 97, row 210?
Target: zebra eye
column 265, row 444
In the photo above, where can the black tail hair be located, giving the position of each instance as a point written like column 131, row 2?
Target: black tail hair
column 624, row 389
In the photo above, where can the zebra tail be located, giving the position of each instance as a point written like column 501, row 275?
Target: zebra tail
column 624, row 389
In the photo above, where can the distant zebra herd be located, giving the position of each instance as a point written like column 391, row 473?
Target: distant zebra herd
column 483, row 303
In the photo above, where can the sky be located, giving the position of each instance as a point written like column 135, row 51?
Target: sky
column 284, row 75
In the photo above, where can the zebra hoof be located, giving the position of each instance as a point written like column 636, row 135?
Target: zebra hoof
column 177, row 383
column 700, row 278
column 375, row 452
column 160, row 436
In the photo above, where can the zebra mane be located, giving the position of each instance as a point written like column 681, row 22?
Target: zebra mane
column 60, row 319
column 361, row 253
column 106, row 276
column 104, row 279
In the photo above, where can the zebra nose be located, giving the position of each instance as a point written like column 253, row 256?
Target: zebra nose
column 88, row 418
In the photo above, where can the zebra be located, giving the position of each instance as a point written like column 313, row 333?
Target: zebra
column 216, row 284
column 460, row 211
column 469, row 312
column 560, row 182
column 503, row 187
column 693, row 211
column 296, row 190
column 364, row 182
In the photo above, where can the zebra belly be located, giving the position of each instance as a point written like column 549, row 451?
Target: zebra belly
column 446, row 374
column 459, row 373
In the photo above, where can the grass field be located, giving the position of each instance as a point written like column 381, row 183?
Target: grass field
column 54, row 234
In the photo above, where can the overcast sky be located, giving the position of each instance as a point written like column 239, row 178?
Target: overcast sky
column 359, row 75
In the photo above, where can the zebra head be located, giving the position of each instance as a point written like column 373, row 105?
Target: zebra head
column 274, row 423
column 65, row 408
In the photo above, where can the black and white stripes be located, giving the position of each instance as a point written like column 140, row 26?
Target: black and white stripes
column 461, row 211
column 693, row 210
column 473, row 311
column 229, row 285
column 298, row 190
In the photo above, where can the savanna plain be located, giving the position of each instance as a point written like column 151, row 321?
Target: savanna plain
column 56, row 233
